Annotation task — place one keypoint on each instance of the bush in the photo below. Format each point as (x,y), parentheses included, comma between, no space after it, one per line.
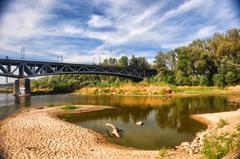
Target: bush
(163,152)
(182,80)
(230,78)
(218,80)
(203,80)
(194,80)
(70,107)
(218,147)
(221,123)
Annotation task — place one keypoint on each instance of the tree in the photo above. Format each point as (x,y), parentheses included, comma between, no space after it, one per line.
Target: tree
(105,62)
(230,78)
(112,61)
(138,62)
(218,80)
(123,61)
(163,66)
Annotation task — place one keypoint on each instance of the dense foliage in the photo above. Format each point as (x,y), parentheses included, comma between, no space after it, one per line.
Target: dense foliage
(133,62)
(214,61)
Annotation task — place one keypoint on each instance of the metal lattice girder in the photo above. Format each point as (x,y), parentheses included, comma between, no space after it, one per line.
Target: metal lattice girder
(21,69)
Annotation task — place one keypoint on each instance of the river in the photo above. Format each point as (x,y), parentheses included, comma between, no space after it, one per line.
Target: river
(166,120)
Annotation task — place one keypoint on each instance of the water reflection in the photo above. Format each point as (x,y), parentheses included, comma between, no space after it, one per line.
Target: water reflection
(23,101)
(167,121)
(10,103)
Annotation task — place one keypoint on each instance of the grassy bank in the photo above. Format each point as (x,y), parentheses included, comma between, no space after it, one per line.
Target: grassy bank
(143,88)
(204,90)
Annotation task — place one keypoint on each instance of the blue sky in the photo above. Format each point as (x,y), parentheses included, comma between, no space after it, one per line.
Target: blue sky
(83,29)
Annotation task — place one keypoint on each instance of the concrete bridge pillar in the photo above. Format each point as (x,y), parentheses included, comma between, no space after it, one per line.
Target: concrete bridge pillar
(22,87)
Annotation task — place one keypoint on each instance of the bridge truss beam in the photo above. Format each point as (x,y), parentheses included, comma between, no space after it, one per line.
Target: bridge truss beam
(26,69)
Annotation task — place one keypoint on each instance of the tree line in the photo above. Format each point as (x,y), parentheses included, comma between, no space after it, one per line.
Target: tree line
(211,62)
(214,61)
(133,62)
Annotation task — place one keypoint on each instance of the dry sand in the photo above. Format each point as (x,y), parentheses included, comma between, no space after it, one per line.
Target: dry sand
(211,119)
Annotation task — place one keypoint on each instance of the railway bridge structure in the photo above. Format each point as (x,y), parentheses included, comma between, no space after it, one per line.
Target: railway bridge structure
(22,70)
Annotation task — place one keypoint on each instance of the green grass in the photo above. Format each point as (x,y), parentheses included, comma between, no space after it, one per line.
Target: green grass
(221,123)
(218,147)
(163,152)
(70,107)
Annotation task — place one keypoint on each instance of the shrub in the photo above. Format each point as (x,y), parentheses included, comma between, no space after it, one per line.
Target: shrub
(218,80)
(163,152)
(221,123)
(194,80)
(203,80)
(230,78)
(70,107)
(218,147)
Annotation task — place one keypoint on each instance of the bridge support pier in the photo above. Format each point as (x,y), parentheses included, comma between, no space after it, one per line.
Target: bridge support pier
(22,87)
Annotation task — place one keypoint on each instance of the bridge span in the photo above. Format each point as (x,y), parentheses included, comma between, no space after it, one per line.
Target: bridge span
(23,69)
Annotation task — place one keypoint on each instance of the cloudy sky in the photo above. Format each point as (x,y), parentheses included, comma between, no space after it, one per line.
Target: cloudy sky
(83,29)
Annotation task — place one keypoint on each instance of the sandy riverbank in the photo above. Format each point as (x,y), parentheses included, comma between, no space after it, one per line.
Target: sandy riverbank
(38,133)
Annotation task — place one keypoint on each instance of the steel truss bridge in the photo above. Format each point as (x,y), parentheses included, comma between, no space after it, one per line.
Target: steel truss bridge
(25,69)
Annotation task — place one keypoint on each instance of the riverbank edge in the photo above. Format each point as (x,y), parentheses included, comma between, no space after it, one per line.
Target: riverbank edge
(167,91)
(152,90)
(181,91)
(180,152)
(213,120)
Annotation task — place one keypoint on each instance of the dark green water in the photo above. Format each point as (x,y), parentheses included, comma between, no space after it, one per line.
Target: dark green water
(166,121)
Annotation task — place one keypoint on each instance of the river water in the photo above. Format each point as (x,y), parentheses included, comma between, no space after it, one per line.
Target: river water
(166,120)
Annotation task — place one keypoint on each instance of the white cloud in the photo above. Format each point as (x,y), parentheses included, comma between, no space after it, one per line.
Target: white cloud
(183,8)
(146,26)
(24,18)
(129,28)
(83,58)
(99,21)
